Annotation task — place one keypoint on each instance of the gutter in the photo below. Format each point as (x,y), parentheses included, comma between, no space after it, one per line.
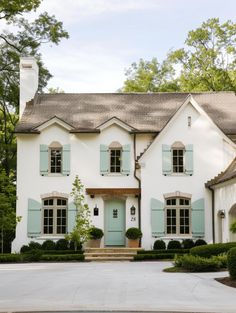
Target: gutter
(139,186)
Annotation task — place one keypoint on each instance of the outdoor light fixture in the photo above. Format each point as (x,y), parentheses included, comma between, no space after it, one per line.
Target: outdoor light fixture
(132,210)
(222,213)
(96,211)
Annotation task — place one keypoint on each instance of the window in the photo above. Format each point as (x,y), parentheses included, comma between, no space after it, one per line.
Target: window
(115,149)
(177,216)
(55,158)
(54,216)
(178,150)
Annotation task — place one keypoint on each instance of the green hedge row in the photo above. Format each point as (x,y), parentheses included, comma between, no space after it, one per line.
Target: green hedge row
(37,256)
(212,249)
(193,263)
(54,252)
(232,263)
(152,256)
(162,251)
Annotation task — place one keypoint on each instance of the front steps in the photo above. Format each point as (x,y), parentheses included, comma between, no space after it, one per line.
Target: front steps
(110,254)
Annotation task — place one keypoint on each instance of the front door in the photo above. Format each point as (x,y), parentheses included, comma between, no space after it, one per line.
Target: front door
(115,223)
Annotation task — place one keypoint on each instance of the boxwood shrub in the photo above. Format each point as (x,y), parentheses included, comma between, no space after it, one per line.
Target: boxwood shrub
(193,263)
(173,244)
(62,252)
(35,245)
(212,249)
(24,249)
(231,260)
(159,245)
(200,242)
(187,243)
(62,257)
(153,256)
(179,251)
(8,258)
(48,245)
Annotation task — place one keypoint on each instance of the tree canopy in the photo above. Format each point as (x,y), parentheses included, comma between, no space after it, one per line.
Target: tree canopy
(207,62)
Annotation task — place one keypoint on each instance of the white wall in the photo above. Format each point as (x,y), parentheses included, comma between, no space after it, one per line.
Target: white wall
(225,199)
(85,162)
(211,155)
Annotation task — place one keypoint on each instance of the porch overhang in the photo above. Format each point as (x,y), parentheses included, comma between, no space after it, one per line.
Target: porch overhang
(113,191)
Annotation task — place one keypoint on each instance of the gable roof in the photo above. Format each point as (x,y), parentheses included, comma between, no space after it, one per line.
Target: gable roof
(144,112)
(224,176)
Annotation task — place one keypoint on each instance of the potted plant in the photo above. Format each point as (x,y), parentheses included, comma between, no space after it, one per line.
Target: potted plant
(133,234)
(96,235)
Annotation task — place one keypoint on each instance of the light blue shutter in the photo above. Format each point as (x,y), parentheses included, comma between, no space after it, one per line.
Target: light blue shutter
(166,160)
(157,218)
(71,217)
(189,159)
(34,218)
(125,160)
(66,160)
(104,159)
(198,218)
(44,160)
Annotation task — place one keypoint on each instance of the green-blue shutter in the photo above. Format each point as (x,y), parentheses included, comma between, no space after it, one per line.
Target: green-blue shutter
(157,218)
(71,217)
(66,160)
(198,218)
(166,160)
(189,159)
(44,160)
(125,160)
(104,159)
(34,218)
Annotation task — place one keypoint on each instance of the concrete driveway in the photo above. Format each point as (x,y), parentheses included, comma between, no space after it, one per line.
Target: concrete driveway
(111,286)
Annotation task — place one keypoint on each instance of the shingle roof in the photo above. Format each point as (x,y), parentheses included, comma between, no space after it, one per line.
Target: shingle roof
(143,111)
(224,176)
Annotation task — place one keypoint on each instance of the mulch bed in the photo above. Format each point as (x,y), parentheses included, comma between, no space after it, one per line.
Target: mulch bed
(227,281)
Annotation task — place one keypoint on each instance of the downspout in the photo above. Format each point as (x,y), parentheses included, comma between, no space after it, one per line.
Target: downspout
(213,211)
(139,185)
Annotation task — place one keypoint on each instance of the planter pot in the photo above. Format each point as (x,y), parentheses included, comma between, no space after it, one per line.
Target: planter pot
(133,243)
(94,243)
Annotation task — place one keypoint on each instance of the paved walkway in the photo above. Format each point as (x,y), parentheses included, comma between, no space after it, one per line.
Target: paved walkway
(111,286)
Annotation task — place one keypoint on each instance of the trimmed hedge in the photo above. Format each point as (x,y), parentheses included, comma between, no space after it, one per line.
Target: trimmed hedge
(146,257)
(48,245)
(8,258)
(62,244)
(193,263)
(174,244)
(212,249)
(56,252)
(179,251)
(159,245)
(232,263)
(62,257)
(187,243)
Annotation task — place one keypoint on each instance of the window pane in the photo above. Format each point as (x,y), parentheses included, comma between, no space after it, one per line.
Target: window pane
(50,202)
(115,161)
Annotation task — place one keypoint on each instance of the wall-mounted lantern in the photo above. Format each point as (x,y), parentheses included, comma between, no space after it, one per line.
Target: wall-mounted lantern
(96,211)
(221,213)
(132,210)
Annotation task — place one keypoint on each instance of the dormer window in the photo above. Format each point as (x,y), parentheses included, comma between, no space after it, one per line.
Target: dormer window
(115,149)
(55,157)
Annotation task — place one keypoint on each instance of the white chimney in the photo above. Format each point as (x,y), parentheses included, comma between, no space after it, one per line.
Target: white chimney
(29,73)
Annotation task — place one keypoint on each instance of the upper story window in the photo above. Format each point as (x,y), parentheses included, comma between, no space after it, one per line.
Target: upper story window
(178,216)
(55,155)
(178,150)
(54,216)
(177,159)
(115,150)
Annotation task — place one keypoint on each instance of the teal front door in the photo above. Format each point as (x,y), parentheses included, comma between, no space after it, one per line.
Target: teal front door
(115,223)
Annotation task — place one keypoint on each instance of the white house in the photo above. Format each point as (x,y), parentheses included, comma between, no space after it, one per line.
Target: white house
(144,160)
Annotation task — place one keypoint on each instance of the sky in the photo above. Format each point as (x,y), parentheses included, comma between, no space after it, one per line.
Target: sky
(107,36)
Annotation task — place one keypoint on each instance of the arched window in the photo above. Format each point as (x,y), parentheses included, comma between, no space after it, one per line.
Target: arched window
(177,212)
(55,157)
(54,216)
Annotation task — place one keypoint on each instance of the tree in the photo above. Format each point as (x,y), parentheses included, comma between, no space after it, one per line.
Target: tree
(150,76)
(81,232)
(8,217)
(208,62)
(233,227)
(26,40)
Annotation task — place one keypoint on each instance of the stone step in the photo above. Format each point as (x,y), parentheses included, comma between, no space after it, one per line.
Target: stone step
(108,258)
(112,250)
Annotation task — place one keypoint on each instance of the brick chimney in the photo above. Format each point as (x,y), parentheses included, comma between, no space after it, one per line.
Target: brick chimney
(28,81)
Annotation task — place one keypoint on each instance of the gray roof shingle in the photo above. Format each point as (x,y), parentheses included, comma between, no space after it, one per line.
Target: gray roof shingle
(224,176)
(142,111)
